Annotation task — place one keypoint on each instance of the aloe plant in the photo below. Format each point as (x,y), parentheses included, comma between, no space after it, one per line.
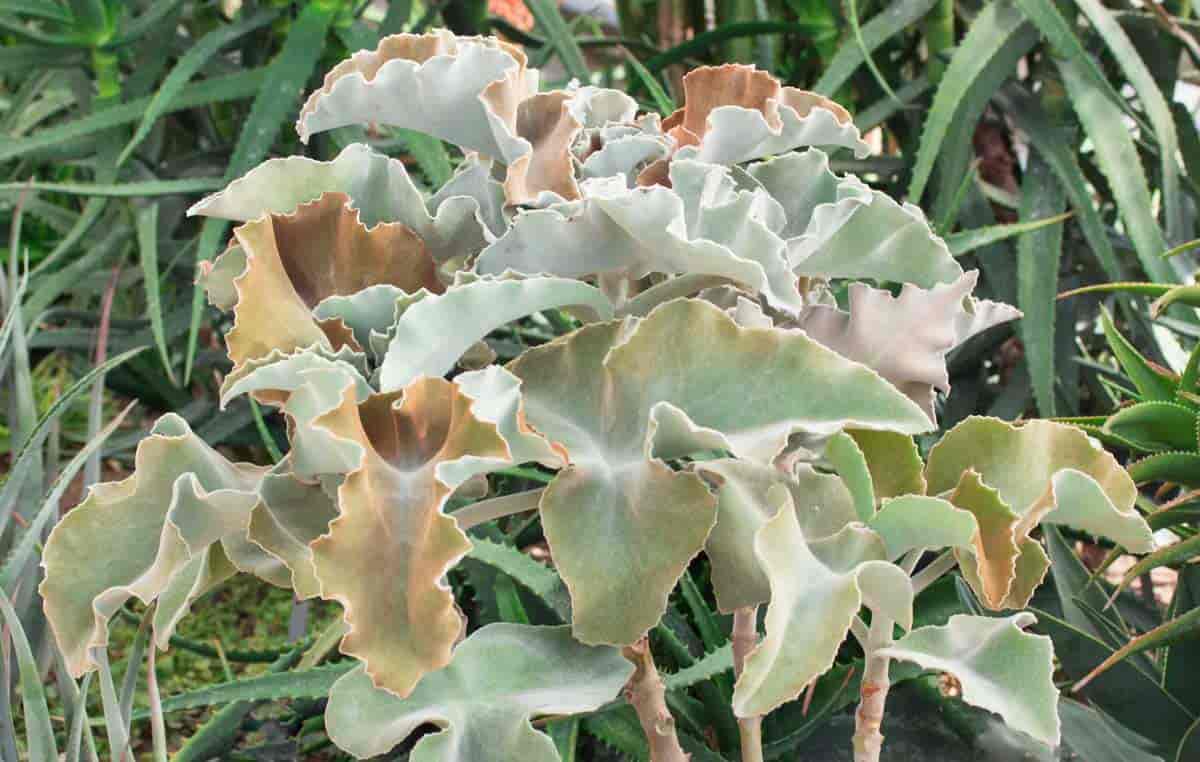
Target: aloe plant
(708,394)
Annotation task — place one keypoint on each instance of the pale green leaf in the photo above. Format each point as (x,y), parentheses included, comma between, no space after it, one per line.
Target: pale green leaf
(433,331)
(813,601)
(601,392)
(501,677)
(1000,668)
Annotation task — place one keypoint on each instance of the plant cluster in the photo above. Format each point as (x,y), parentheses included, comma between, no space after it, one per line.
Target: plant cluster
(749,343)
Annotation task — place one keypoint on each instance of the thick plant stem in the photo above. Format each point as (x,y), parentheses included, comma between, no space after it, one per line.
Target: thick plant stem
(868,720)
(648,696)
(745,638)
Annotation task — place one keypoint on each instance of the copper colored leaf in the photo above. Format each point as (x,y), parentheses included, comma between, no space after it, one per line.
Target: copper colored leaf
(293,262)
(386,555)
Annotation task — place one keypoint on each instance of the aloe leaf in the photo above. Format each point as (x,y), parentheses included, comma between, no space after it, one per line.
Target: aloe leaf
(31,449)
(39,733)
(278,94)
(23,550)
(886,24)
(1063,37)
(1179,552)
(1118,159)
(190,63)
(987,34)
(1183,627)
(501,677)
(1189,295)
(703,42)
(1174,467)
(147,233)
(1038,256)
(122,190)
(313,683)
(539,579)
(1150,383)
(1052,146)
(662,101)
(1134,697)
(216,89)
(549,19)
(966,241)
(1155,105)
(1155,426)
(1097,737)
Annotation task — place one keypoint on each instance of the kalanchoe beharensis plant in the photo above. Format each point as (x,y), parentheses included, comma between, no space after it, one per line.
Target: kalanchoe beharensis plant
(715,399)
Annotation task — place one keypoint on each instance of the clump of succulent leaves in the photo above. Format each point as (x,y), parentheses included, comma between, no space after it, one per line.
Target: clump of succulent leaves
(715,398)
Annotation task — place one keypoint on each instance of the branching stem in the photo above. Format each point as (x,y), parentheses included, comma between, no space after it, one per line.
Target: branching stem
(745,638)
(647,694)
(868,720)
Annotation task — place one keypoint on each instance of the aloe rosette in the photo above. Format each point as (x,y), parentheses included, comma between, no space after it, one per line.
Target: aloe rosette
(701,254)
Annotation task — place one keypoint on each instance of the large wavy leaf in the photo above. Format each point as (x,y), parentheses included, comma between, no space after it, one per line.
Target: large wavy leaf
(817,588)
(457,222)
(620,396)
(736,113)
(168,533)
(703,224)
(282,266)
(432,331)
(1000,667)
(905,338)
(502,676)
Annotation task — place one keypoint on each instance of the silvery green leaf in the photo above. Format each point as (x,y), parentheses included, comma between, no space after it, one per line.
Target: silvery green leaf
(702,225)
(596,392)
(501,677)
(169,532)
(817,588)
(1000,667)
(432,332)
(464,90)
(823,507)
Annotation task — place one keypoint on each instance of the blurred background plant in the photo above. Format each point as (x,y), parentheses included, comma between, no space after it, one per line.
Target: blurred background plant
(1070,122)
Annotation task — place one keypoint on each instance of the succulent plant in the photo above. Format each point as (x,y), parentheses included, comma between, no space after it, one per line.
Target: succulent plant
(714,397)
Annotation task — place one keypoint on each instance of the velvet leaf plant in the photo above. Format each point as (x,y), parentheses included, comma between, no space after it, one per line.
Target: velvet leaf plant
(714,396)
